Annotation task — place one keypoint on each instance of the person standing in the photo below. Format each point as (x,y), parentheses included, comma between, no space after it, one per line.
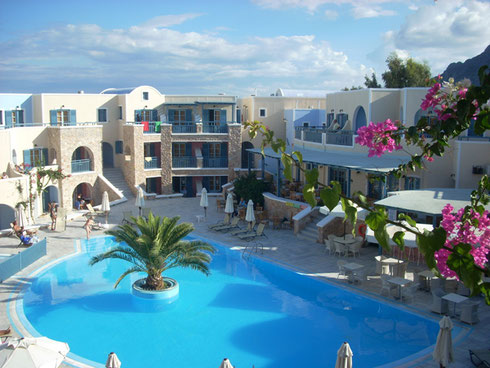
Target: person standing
(88,226)
(52,207)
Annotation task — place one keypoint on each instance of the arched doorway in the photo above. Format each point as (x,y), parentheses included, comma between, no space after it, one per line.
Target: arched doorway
(107,155)
(359,118)
(50,195)
(82,160)
(85,190)
(246,156)
(7,215)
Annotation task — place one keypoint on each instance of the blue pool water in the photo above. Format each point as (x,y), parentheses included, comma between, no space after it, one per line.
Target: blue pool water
(251,311)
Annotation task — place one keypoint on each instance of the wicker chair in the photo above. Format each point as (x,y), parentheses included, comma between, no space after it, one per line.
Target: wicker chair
(439,305)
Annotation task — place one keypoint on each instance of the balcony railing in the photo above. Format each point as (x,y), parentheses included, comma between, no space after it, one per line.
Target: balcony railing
(211,128)
(152,162)
(297,133)
(152,127)
(80,165)
(340,138)
(185,161)
(215,162)
(313,135)
(184,128)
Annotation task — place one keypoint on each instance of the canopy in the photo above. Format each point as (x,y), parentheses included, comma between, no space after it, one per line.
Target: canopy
(229,204)
(140,198)
(250,216)
(204,198)
(39,352)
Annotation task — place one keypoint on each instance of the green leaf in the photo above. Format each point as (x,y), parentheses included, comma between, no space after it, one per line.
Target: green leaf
(429,243)
(309,194)
(299,156)
(398,238)
(408,219)
(382,236)
(461,261)
(330,197)
(287,163)
(375,220)
(312,176)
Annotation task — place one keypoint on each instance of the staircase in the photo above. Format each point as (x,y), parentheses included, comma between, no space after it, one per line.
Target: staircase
(116,177)
(310,232)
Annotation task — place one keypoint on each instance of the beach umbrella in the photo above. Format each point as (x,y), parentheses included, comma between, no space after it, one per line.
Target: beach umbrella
(33,352)
(140,199)
(21,216)
(229,204)
(106,206)
(113,361)
(344,356)
(204,200)
(249,215)
(225,363)
(443,352)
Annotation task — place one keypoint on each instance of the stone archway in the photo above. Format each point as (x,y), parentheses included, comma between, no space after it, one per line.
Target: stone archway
(85,190)
(51,194)
(82,160)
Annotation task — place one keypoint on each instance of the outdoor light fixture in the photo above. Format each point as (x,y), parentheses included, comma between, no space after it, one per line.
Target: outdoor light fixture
(341,110)
(332,110)
(62,107)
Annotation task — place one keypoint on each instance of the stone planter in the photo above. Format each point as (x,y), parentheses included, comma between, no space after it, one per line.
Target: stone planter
(166,296)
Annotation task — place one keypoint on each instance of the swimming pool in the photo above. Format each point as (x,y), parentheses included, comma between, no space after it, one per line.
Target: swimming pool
(251,311)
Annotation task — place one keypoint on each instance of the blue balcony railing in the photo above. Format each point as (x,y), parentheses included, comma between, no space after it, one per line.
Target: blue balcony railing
(185,161)
(215,162)
(313,135)
(80,165)
(297,133)
(152,128)
(340,138)
(211,128)
(184,128)
(152,162)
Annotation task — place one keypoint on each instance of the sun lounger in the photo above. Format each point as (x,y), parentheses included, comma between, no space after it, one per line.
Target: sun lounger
(94,212)
(248,229)
(225,221)
(480,358)
(233,225)
(259,232)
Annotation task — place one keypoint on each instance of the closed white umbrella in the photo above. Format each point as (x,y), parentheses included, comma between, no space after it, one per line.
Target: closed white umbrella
(204,200)
(106,206)
(140,199)
(225,364)
(113,361)
(443,352)
(38,352)
(344,356)
(21,216)
(249,215)
(229,204)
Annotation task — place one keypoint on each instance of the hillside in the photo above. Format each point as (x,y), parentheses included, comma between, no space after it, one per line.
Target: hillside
(468,69)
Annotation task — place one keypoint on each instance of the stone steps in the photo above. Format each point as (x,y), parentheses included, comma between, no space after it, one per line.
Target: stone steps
(116,177)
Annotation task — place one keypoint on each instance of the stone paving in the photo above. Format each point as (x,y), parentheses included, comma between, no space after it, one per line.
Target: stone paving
(280,246)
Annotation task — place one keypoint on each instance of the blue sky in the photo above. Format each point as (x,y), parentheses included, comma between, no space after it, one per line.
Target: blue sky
(234,47)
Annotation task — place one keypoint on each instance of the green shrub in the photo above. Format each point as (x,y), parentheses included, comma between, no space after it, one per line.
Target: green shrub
(249,187)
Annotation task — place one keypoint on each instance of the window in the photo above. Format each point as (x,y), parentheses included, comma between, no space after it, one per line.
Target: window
(120,112)
(62,117)
(179,150)
(262,113)
(214,183)
(146,96)
(214,149)
(119,146)
(102,115)
(238,115)
(412,183)
(342,119)
(35,156)
(338,175)
(393,183)
(179,115)
(330,118)
(145,115)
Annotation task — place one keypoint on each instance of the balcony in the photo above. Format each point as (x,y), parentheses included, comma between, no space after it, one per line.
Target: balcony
(297,132)
(340,138)
(151,127)
(334,137)
(152,162)
(215,162)
(78,166)
(313,135)
(185,161)
(187,127)
(211,128)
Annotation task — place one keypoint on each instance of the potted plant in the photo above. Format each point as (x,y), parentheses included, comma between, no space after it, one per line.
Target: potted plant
(153,246)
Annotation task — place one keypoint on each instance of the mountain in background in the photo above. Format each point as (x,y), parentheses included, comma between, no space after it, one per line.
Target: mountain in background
(468,69)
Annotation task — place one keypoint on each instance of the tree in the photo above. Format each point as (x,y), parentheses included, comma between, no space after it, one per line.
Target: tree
(460,246)
(371,82)
(155,246)
(353,88)
(402,74)
(249,187)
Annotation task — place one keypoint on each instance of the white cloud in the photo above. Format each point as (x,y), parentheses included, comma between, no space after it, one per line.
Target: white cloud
(369,11)
(189,61)
(163,21)
(331,14)
(443,32)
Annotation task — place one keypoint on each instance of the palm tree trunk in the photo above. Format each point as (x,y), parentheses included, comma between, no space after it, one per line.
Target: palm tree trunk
(155,282)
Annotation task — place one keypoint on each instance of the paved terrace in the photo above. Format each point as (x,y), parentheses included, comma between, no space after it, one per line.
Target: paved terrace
(280,246)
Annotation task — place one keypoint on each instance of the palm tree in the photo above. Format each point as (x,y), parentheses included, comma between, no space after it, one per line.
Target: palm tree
(155,246)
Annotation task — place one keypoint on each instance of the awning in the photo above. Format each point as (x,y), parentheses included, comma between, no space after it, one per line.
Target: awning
(348,160)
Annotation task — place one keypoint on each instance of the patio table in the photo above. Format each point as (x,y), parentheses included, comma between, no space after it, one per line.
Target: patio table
(400,282)
(425,277)
(455,299)
(391,262)
(352,267)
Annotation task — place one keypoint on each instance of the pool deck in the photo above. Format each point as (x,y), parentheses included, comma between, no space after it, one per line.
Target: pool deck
(280,246)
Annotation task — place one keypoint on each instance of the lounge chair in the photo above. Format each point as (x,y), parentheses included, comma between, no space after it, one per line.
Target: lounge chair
(232,225)
(480,358)
(26,239)
(225,221)
(253,235)
(248,229)
(93,212)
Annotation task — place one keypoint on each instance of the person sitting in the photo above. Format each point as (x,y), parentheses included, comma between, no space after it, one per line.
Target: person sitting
(242,203)
(27,240)
(7,331)
(19,230)
(5,176)
(335,125)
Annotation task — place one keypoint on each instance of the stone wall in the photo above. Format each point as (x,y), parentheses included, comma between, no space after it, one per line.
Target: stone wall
(102,186)
(277,207)
(166,158)
(133,168)
(234,149)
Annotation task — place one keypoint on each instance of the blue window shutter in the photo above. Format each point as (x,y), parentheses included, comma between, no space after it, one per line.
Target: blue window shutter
(205,182)
(188,115)
(27,157)
(188,149)
(52,117)
(224,149)
(205,149)
(19,117)
(171,115)
(188,186)
(73,117)
(154,115)
(119,147)
(44,158)
(223,116)
(8,119)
